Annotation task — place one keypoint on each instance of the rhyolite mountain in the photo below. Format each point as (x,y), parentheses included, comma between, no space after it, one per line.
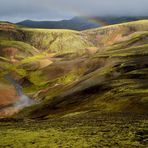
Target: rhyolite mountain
(69,71)
(80,23)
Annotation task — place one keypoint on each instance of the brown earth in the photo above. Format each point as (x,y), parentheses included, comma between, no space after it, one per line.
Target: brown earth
(8,95)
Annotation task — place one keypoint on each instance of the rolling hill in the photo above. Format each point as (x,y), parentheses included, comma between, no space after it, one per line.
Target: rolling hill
(103,68)
(113,79)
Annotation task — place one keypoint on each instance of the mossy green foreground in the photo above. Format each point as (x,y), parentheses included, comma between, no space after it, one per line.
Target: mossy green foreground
(91,87)
(81,130)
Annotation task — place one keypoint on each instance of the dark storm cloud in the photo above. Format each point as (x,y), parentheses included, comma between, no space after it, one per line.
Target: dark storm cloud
(60,9)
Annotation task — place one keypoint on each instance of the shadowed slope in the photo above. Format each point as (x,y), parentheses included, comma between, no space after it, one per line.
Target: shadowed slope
(116,80)
(99,69)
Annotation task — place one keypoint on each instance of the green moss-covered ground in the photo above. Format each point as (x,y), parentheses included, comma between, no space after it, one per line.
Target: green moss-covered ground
(82,129)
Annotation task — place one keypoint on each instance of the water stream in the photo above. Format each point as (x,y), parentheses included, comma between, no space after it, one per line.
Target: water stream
(24,100)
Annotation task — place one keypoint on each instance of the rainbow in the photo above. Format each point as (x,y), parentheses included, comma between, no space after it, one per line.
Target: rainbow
(97,20)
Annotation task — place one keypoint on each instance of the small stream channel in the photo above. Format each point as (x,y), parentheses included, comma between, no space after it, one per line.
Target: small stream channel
(24,100)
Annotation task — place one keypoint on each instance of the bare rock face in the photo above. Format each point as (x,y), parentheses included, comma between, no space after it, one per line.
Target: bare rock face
(8,95)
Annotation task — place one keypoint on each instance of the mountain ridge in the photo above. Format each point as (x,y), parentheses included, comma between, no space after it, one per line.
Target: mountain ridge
(79,23)
(74,71)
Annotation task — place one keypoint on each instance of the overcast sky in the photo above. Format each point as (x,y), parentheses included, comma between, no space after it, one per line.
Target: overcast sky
(17,10)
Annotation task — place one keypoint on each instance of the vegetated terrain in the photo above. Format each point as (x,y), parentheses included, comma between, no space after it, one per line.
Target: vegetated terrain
(87,129)
(91,86)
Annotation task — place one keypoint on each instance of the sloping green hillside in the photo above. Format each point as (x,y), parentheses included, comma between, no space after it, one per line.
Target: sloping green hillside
(25,51)
(58,41)
(99,69)
(108,35)
(113,79)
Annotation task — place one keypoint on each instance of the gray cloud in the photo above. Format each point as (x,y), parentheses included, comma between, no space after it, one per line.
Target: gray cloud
(15,10)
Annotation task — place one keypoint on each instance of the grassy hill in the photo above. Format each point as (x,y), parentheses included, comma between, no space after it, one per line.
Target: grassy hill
(113,79)
(62,41)
(25,47)
(103,68)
